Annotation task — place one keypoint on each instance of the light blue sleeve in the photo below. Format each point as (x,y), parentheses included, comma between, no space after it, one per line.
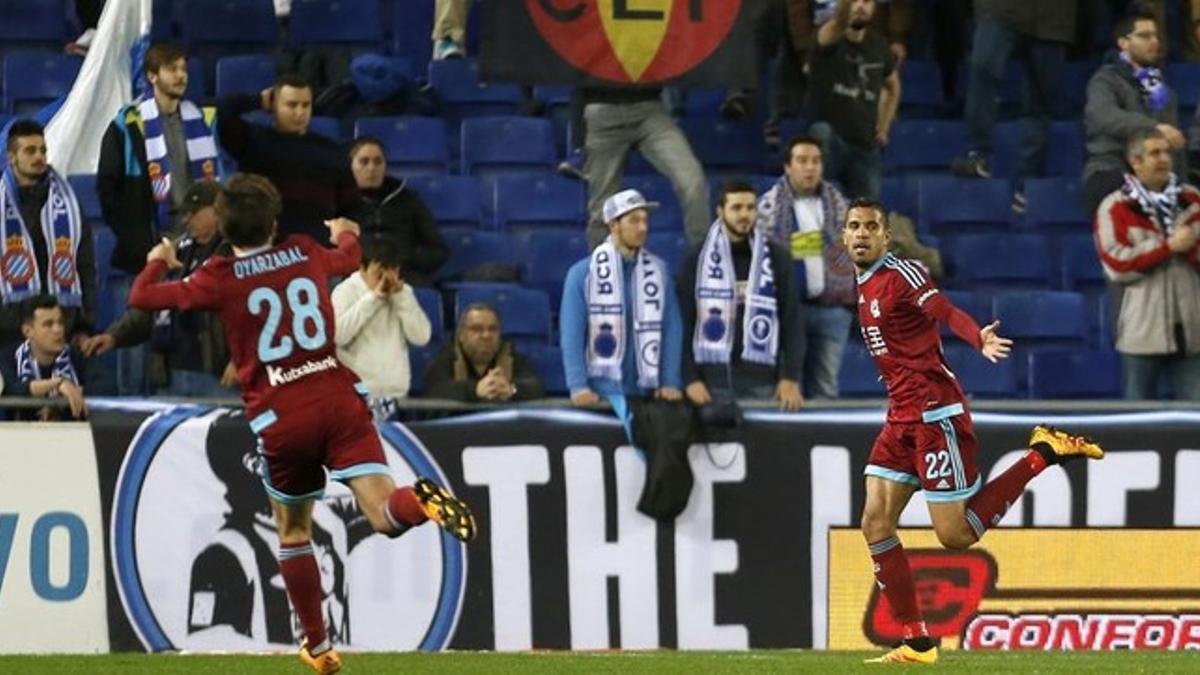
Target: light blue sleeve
(672,336)
(572,327)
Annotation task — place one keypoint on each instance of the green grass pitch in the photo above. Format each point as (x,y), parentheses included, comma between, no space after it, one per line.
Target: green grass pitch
(622,663)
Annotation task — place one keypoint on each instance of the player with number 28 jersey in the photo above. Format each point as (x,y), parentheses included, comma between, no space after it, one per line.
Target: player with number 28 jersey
(307,409)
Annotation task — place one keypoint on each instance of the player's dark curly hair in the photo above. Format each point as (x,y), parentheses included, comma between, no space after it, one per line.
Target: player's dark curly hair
(248,208)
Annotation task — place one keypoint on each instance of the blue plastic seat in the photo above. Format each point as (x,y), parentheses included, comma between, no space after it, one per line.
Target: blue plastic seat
(84,185)
(335,21)
(991,261)
(1184,78)
(32,80)
(524,312)
(538,201)
(858,377)
(670,246)
(198,90)
(461,95)
(921,84)
(33,21)
(979,377)
(472,248)
(1043,316)
(413,145)
(498,145)
(431,303)
(977,304)
(550,254)
(668,217)
(1081,268)
(924,145)
(963,205)
(724,146)
(548,361)
(1070,373)
(1065,149)
(411,25)
(454,201)
(418,361)
(247,74)
(1055,205)
(229,22)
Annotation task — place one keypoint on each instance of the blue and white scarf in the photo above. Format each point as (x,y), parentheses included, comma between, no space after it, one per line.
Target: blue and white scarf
(1162,207)
(62,228)
(29,370)
(716,302)
(777,219)
(606,314)
(1155,92)
(201,150)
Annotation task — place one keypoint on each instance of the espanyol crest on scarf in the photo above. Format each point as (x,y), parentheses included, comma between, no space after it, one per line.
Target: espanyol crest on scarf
(716,302)
(606,314)
(201,150)
(61,228)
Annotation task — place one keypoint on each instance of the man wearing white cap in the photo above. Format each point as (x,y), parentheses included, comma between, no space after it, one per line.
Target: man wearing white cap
(621,331)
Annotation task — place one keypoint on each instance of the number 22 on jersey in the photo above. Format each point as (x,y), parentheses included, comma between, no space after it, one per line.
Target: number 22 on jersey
(304,302)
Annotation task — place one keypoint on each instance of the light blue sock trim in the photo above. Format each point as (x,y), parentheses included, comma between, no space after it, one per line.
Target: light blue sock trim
(357,470)
(284,498)
(881,547)
(289,552)
(891,474)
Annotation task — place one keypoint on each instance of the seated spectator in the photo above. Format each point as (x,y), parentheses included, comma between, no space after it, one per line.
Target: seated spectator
(47,243)
(188,353)
(1124,97)
(308,170)
(393,211)
(1146,234)
(854,92)
(378,317)
(480,365)
(805,212)
(44,365)
(743,326)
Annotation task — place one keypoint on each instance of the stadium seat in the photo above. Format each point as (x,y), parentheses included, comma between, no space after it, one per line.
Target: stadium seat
(524,312)
(539,201)
(998,261)
(84,185)
(229,22)
(414,145)
(1055,205)
(418,360)
(548,361)
(670,246)
(657,188)
(471,249)
(979,377)
(978,305)
(1184,78)
(33,23)
(411,25)
(32,80)
(335,21)
(921,85)
(1070,373)
(461,95)
(198,90)
(1065,149)
(1011,86)
(726,147)
(248,74)
(1081,269)
(949,206)
(550,254)
(431,303)
(453,200)
(498,145)
(1043,316)
(858,376)
(924,145)
(1072,86)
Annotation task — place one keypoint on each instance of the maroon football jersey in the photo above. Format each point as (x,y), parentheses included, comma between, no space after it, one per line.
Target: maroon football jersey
(898,306)
(275,307)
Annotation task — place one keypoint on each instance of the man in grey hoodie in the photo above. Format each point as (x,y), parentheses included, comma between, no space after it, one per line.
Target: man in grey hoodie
(1124,97)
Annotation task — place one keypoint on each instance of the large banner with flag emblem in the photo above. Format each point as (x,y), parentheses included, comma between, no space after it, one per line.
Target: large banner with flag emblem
(620,42)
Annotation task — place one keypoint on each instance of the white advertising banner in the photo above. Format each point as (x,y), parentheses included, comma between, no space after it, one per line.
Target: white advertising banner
(52,591)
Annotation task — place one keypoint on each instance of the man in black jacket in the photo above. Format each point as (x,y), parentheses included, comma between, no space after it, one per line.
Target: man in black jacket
(307,169)
(393,211)
(480,365)
(743,331)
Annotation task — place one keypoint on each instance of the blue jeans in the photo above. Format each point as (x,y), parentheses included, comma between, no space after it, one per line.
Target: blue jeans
(826,330)
(1142,373)
(859,169)
(131,361)
(995,42)
(193,384)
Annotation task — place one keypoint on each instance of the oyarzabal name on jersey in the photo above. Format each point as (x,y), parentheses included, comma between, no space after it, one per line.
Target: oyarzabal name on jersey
(268,262)
(277,376)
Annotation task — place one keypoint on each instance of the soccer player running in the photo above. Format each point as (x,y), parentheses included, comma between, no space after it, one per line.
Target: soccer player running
(928,442)
(307,409)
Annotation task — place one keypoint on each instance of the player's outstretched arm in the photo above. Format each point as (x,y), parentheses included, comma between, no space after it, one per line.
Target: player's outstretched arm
(150,293)
(993,346)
